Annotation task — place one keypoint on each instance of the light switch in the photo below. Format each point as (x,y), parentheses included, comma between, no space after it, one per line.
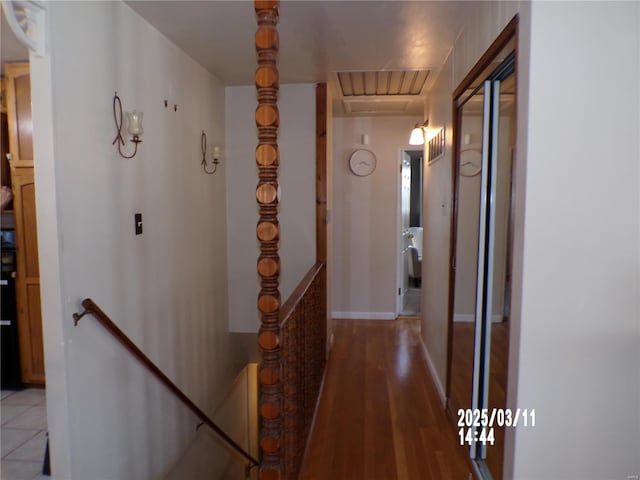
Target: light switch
(138,220)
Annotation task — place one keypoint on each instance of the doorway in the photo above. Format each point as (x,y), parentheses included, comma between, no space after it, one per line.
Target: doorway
(19,228)
(410,233)
(23,367)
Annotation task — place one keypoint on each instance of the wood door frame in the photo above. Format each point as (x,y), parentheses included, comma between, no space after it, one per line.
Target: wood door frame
(321,173)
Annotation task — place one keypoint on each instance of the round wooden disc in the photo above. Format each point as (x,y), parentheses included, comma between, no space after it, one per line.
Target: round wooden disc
(267,37)
(270,444)
(267,231)
(266,115)
(266,155)
(266,193)
(268,304)
(268,340)
(267,267)
(266,77)
(268,376)
(266,4)
(270,475)
(269,411)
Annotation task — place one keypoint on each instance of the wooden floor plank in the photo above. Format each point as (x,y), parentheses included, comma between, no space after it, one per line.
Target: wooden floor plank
(379,415)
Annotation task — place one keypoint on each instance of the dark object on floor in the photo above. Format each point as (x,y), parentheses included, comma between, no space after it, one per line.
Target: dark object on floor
(46,468)
(415,267)
(11,377)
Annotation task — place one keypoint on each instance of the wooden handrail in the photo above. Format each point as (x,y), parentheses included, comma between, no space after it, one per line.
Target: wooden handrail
(297,295)
(90,307)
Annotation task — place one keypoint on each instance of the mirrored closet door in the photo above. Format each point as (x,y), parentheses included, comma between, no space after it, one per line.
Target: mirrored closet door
(481,255)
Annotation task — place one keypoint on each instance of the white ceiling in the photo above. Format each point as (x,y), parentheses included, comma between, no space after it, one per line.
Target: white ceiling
(317,38)
(11,50)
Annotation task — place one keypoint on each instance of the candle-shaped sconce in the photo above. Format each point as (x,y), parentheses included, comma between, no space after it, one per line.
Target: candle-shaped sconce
(135,123)
(134,120)
(216,153)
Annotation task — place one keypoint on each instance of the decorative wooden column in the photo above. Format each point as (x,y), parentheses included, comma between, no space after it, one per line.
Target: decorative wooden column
(267,121)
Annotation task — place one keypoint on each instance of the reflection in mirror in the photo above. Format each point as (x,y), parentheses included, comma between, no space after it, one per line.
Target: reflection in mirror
(468,216)
(501,271)
(481,251)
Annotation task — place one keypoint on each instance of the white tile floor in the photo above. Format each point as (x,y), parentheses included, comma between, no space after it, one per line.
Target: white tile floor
(23,415)
(412,302)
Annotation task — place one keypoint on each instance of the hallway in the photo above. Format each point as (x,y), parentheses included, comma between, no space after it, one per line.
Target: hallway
(380,416)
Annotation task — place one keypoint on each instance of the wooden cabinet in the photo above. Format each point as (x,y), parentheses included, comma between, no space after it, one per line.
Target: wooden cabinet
(28,278)
(18,89)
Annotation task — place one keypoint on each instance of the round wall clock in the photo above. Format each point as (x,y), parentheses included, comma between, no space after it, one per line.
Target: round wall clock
(470,161)
(362,162)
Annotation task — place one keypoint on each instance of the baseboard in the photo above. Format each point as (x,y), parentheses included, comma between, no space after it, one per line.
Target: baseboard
(470,318)
(364,315)
(434,373)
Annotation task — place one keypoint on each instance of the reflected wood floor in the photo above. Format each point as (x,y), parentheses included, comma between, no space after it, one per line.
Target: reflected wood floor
(380,417)
(461,384)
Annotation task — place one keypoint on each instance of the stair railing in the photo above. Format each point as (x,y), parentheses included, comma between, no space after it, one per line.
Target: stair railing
(303,329)
(104,320)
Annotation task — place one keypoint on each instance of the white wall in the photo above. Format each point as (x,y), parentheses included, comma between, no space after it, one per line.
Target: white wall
(579,348)
(237,416)
(166,289)
(436,214)
(575,329)
(297,146)
(365,217)
(464,306)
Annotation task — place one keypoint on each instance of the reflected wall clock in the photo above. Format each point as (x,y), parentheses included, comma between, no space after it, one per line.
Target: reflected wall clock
(362,162)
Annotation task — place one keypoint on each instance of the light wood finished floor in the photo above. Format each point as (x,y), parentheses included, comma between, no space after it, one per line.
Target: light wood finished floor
(380,417)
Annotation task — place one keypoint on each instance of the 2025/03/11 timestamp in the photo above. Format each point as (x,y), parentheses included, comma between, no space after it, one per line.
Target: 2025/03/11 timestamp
(470,435)
(477,425)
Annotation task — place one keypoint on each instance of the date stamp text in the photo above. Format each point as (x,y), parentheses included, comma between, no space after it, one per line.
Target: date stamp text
(478,425)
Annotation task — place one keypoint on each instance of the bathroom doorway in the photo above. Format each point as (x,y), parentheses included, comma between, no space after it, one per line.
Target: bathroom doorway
(410,233)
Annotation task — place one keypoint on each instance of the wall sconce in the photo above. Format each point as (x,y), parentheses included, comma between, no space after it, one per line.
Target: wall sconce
(418,133)
(215,155)
(134,121)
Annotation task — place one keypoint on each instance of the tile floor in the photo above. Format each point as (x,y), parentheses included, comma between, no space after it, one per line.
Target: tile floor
(412,302)
(23,434)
